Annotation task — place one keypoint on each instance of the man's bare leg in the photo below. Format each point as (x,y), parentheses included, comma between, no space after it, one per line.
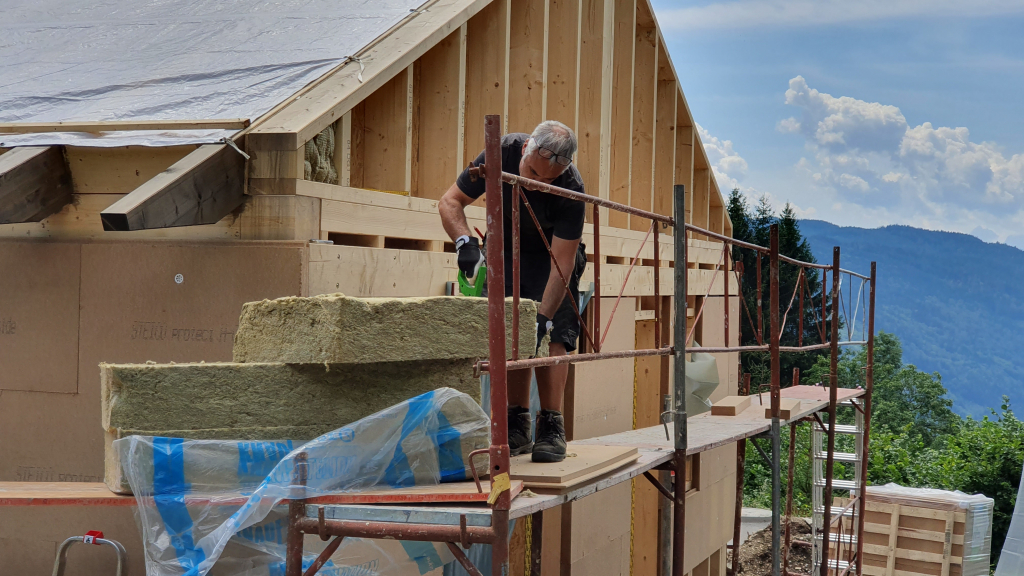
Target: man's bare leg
(551,380)
(519,387)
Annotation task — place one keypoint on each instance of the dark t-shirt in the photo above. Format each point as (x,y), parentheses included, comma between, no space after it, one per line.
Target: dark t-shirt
(558,216)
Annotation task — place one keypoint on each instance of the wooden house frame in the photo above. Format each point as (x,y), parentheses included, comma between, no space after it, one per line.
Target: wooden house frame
(391,128)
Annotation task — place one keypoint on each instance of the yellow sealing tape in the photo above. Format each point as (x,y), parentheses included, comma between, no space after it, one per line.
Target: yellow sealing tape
(499,484)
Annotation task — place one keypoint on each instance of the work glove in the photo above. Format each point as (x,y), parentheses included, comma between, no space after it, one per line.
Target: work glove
(470,256)
(544,326)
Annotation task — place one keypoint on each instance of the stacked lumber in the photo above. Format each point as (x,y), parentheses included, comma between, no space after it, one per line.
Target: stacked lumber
(305,366)
(910,531)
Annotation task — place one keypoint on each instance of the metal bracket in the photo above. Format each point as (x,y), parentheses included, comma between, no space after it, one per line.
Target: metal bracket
(764,455)
(661,487)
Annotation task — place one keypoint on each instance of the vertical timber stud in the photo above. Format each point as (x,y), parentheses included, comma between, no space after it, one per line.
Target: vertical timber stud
(499,460)
(773,348)
(679,384)
(833,385)
(869,384)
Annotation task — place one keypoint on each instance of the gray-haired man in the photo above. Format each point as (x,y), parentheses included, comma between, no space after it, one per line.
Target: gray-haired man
(545,156)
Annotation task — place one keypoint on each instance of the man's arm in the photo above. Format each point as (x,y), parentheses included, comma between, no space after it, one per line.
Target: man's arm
(564,252)
(452,208)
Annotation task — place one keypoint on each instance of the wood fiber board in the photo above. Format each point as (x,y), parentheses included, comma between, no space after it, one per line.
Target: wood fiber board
(147,315)
(787,407)
(50,437)
(29,536)
(600,534)
(603,392)
(730,406)
(582,460)
(39,286)
(131,310)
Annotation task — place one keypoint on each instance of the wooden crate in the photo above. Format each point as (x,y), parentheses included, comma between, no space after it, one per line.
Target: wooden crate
(904,537)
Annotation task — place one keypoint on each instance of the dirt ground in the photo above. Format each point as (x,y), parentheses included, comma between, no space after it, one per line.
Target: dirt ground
(756,552)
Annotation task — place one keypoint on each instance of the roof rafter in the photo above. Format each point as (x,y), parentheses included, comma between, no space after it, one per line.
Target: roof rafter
(201,188)
(34,183)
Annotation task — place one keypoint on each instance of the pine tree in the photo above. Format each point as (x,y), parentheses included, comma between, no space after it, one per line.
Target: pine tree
(755,227)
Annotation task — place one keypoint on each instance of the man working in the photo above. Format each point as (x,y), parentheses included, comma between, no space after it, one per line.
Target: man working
(545,156)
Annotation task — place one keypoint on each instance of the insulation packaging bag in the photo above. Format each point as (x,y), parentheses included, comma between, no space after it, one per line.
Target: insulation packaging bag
(215,506)
(978,509)
(1011,559)
(701,382)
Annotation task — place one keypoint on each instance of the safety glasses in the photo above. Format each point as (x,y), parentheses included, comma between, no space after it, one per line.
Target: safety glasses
(548,154)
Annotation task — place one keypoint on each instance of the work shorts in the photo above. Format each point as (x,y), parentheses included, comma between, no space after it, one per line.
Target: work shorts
(534,270)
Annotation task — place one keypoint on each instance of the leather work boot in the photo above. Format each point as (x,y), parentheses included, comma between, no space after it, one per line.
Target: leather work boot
(519,437)
(550,445)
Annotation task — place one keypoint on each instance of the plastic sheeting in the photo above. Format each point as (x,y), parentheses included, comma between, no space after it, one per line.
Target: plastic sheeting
(105,60)
(701,382)
(215,506)
(979,509)
(1011,559)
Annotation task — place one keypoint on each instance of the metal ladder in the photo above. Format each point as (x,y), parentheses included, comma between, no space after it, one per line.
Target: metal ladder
(842,534)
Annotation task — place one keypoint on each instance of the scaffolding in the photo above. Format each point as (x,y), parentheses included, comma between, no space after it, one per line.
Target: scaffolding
(459,528)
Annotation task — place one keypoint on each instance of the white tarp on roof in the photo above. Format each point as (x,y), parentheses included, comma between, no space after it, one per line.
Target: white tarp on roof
(102,60)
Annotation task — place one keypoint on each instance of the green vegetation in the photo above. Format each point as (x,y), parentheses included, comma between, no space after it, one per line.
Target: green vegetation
(917,439)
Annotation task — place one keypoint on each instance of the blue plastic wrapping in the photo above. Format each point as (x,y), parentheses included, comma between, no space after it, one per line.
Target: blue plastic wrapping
(217,506)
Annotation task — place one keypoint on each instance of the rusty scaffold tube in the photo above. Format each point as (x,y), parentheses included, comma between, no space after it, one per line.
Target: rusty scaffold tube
(832,395)
(869,384)
(499,450)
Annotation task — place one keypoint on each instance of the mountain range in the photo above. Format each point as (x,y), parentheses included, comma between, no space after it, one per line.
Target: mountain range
(954,301)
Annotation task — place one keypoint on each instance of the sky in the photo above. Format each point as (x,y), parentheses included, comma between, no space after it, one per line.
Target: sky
(864,113)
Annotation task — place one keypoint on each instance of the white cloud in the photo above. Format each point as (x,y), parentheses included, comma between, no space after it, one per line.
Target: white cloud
(801,13)
(729,167)
(867,158)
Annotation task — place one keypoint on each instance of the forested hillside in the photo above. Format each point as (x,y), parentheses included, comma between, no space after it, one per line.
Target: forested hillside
(956,303)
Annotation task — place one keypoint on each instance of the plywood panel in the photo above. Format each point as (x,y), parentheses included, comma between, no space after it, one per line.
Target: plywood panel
(526,65)
(485,72)
(385,133)
(645,95)
(39,286)
(622,109)
(562,61)
(438,111)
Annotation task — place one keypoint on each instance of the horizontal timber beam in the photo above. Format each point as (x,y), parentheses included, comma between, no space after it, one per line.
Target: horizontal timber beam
(122,125)
(201,188)
(34,183)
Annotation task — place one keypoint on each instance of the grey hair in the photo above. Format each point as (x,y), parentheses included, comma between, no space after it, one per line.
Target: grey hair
(554,136)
